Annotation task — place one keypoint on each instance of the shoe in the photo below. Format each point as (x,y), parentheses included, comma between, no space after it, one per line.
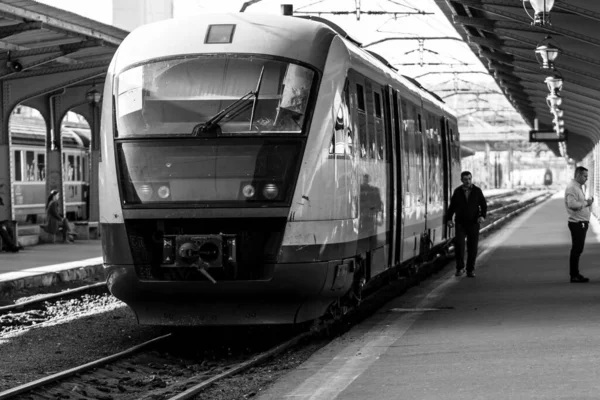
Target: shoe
(579,279)
(470,274)
(459,272)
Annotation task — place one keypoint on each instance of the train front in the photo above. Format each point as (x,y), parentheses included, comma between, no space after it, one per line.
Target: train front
(203,140)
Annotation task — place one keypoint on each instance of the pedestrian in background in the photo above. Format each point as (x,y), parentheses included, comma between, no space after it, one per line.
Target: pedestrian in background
(470,207)
(55,222)
(579,210)
(7,233)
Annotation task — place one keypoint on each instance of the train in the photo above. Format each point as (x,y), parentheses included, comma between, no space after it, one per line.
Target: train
(28,169)
(265,169)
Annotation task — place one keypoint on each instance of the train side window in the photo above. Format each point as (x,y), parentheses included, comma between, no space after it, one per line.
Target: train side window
(69,168)
(379,130)
(407,126)
(29,166)
(341,140)
(420,123)
(370,127)
(377,100)
(362,122)
(41,167)
(18,167)
(78,168)
(349,125)
(360,96)
(84,168)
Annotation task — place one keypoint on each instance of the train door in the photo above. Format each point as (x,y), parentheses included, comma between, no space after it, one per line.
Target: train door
(394,139)
(422,193)
(446,169)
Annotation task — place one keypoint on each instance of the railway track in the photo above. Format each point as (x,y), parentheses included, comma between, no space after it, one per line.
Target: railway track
(148,371)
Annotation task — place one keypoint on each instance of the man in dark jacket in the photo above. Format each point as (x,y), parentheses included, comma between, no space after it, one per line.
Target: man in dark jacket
(470,208)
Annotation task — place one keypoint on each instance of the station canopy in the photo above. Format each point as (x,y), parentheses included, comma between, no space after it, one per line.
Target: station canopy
(502,34)
(48,47)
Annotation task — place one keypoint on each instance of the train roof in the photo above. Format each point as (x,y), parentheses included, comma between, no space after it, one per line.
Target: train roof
(305,39)
(294,38)
(35,134)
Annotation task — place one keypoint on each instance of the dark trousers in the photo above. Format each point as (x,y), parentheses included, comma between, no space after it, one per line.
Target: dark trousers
(578,232)
(469,232)
(7,234)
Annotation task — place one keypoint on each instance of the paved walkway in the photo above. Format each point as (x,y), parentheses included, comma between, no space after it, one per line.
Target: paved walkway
(46,264)
(519,330)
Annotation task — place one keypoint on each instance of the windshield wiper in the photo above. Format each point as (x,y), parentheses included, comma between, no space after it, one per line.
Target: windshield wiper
(232,110)
(213,122)
(255,102)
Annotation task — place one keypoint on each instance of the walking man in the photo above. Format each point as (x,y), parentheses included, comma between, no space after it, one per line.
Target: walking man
(470,207)
(579,210)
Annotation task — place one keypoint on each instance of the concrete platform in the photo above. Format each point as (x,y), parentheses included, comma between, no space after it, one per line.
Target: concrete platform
(519,330)
(47,264)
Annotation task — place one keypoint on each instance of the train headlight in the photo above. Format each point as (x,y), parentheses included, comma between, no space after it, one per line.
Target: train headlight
(164,192)
(248,191)
(145,192)
(270,191)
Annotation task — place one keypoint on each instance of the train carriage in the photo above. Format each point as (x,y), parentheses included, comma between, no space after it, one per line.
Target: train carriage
(263,169)
(28,170)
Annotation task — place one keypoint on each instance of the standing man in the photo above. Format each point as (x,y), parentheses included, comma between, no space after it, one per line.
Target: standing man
(579,210)
(470,207)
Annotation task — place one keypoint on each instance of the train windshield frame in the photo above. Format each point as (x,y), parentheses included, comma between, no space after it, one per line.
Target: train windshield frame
(223,95)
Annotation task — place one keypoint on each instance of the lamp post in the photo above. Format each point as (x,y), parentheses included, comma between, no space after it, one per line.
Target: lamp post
(554,84)
(542,10)
(553,101)
(93,96)
(546,53)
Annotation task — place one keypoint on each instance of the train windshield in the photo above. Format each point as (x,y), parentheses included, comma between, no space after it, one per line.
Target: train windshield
(224,95)
(220,171)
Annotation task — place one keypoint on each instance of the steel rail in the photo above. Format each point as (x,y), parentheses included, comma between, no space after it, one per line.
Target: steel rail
(27,387)
(530,202)
(518,203)
(194,390)
(52,296)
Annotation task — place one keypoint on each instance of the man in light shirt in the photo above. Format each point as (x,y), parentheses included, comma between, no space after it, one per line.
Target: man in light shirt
(579,210)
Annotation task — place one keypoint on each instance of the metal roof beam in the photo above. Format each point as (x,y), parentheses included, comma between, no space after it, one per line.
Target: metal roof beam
(14,12)
(583,12)
(502,57)
(534,44)
(63,48)
(61,51)
(533,60)
(493,44)
(481,23)
(50,71)
(524,22)
(10,30)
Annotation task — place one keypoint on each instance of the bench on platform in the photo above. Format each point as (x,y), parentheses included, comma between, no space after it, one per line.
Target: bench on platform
(87,230)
